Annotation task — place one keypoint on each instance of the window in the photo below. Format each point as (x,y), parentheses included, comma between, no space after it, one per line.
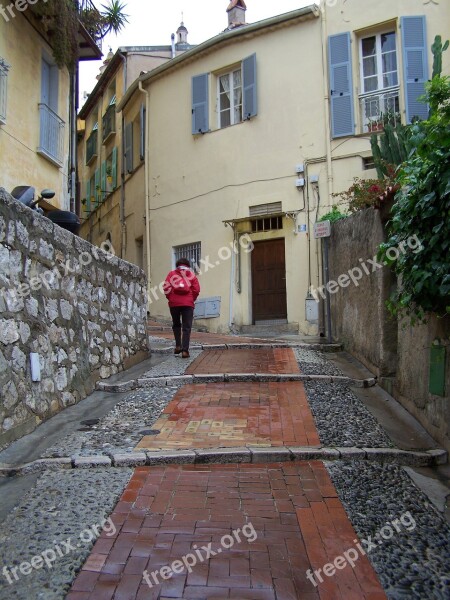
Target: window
(190,251)
(379,100)
(230,98)
(236,96)
(4,68)
(128,158)
(368,163)
(267,224)
(51,138)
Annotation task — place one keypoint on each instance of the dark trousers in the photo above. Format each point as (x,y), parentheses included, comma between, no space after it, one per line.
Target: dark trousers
(182,317)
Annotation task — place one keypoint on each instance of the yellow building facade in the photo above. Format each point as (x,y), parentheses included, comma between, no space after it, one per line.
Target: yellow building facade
(35,106)
(248,136)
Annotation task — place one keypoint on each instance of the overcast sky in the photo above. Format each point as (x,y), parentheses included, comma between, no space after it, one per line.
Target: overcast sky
(151,23)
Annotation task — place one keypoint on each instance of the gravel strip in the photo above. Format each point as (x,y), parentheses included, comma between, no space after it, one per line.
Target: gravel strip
(414,563)
(341,418)
(119,429)
(62,505)
(173,365)
(311,362)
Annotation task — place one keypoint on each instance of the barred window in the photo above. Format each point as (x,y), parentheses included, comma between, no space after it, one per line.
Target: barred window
(4,68)
(192,252)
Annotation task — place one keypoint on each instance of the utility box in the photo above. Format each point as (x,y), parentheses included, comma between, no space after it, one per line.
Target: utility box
(312,310)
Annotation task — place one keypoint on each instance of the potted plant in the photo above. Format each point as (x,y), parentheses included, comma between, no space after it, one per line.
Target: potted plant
(109,179)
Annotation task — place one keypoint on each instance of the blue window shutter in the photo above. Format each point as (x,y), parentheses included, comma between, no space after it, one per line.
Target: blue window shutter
(200,105)
(88,197)
(415,65)
(97,184)
(114,167)
(103,180)
(249,97)
(128,147)
(341,85)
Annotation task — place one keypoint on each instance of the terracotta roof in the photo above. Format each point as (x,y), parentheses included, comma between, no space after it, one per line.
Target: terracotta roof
(235,3)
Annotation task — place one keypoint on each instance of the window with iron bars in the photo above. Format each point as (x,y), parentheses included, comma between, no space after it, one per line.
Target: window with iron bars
(267,224)
(192,252)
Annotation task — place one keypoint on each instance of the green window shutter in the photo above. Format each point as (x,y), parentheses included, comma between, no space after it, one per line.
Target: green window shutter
(200,106)
(103,180)
(128,147)
(249,98)
(114,167)
(341,85)
(415,65)
(97,183)
(87,207)
(143,124)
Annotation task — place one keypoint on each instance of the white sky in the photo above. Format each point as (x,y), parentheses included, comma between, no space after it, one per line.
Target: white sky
(151,23)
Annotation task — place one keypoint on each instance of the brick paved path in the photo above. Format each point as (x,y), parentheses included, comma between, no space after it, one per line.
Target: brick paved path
(260,360)
(242,531)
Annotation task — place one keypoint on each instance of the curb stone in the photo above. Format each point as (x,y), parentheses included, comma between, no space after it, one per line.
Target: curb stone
(254,454)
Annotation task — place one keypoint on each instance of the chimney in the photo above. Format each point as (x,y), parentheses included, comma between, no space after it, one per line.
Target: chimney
(236,13)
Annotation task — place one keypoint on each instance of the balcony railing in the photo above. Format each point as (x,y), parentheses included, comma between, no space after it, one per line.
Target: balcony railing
(109,122)
(51,138)
(91,146)
(89,16)
(379,108)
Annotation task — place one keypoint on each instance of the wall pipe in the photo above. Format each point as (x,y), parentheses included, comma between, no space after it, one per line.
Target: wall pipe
(147,186)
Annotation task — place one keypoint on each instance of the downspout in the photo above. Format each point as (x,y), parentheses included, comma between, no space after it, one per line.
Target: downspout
(123,240)
(172,37)
(73,139)
(147,186)
(330,180)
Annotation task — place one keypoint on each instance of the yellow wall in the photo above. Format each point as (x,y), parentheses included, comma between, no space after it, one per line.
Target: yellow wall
(22,47)
(196,182)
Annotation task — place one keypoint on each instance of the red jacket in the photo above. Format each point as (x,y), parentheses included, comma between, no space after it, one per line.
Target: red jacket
(176,299)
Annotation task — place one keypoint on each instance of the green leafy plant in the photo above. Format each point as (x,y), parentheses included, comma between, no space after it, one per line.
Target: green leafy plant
(334,215)
(422,209)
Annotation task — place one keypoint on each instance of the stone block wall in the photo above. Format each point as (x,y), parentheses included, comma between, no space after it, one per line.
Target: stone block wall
(81,309)
(396,352)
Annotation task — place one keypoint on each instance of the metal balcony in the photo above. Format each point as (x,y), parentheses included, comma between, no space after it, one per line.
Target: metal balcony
(91,146)
(379,108)
(109,122)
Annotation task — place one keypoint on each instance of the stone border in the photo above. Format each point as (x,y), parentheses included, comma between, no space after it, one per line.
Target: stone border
(255,454)
(255,346)
(180,380)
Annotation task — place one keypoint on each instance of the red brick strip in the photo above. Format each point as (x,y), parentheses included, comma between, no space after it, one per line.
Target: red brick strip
(168,512)
(241,360)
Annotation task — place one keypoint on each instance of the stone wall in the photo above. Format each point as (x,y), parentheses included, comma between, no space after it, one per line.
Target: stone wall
(396,352)
(81,309)
(360,317)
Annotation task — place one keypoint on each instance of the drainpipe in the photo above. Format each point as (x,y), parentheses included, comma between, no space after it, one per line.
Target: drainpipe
(73,139)
(172,37)
(232,279)
(123,240)
(147,185)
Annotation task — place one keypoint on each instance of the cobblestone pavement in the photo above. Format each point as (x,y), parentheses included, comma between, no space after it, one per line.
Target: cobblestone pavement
(275,530)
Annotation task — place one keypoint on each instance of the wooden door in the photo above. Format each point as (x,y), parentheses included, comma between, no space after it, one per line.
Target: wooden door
(269,280)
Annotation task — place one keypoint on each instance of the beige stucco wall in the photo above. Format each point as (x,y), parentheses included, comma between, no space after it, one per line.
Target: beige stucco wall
(197,182)
(22,47)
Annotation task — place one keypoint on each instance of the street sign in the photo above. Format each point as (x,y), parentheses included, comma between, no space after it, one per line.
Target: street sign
(322,229)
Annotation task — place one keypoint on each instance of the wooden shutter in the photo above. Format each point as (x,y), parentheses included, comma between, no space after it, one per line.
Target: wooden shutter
(341,85)
(129,147)
(415,65)
(97,183)
(143,124)
(249,97)
(103,180)
(114,167)
(200,105)
(87,206)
